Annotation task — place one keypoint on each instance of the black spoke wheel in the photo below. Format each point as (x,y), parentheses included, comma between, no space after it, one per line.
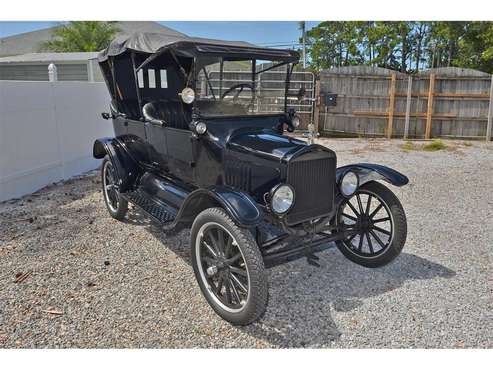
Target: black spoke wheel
(378,221)
(116,205)
(228,267)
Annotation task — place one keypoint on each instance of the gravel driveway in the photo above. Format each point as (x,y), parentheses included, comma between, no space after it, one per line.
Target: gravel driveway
(86,280)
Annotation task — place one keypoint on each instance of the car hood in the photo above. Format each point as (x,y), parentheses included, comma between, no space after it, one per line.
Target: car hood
(265,144)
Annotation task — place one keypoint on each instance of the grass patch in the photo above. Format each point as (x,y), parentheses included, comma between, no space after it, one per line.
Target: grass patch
(434,146)
(467,143)
(408,146)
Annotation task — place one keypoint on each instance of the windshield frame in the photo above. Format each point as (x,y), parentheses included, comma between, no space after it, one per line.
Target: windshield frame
(254,73)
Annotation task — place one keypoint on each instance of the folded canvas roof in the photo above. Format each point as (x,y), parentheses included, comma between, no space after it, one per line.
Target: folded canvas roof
(156,43)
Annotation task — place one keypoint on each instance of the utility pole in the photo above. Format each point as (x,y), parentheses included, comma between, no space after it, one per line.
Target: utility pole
(303,33)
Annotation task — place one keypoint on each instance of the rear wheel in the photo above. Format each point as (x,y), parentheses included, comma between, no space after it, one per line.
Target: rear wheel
(116,205)
(229,267)
(380,223)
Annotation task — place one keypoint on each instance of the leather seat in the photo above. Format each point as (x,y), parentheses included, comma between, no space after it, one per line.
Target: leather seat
(171,113)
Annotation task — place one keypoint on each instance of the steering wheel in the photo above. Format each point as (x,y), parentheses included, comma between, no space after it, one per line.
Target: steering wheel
(240,87)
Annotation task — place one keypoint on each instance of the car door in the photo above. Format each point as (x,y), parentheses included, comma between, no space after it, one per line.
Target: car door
(157,146)
(180,149)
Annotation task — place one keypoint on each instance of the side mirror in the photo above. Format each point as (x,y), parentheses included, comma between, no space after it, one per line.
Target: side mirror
(105,115)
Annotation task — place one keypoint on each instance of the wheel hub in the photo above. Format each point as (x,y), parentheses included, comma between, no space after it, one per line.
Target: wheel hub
(365,222)
(220,265)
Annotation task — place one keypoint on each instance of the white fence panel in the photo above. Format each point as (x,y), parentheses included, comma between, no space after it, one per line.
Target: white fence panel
(47,131)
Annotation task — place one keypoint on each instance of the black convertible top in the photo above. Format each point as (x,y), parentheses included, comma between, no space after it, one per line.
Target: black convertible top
(157,43)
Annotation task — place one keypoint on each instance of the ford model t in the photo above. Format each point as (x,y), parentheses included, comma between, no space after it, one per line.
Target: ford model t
(196,147)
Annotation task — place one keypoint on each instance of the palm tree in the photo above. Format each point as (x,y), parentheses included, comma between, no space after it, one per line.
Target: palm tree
(81,36)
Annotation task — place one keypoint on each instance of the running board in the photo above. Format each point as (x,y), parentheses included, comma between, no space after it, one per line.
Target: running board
(157,210)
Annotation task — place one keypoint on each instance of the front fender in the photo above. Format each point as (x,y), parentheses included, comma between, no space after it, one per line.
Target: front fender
(371,172)
(126,167)
(240,206)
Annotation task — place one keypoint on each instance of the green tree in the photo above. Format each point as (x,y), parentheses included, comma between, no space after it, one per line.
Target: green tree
(334,44)
(81,36)
(475,47)
(443,42)
(403,46)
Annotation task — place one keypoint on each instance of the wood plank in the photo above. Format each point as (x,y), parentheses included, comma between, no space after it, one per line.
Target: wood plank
(403,114)
(408,106)
(482,96)
(429,110)
(390,121)
(490,113)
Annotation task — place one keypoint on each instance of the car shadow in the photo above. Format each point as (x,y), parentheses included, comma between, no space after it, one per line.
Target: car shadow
(303,299)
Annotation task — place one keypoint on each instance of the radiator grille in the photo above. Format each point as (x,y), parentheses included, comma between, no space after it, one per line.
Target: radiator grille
(313,179)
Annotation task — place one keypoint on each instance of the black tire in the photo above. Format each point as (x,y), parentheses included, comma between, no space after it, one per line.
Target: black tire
(115,204)
(253,306)
(397,230)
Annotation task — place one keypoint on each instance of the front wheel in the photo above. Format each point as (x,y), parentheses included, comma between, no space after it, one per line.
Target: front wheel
(229,267)
(378,218)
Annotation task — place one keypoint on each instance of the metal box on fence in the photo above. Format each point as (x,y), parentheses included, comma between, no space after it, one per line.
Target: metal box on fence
(330,100)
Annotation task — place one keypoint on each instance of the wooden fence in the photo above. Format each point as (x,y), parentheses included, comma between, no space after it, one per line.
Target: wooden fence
(371,101)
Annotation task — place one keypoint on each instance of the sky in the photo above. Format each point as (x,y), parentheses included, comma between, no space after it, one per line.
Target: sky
(275,33)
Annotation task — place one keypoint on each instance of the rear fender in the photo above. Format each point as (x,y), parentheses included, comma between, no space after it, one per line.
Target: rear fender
(240,206)
(371,172)
(127,169)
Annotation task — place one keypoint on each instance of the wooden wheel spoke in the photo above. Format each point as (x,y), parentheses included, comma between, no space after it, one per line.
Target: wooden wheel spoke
(215,242)
(233,259)
(229,298)
(227,249)
(350,239)
(368,204)
(360,205)
(383,231)
(237,270)
(360,244)
(352,208)
(209,249)
(234,279)
(375,211)
(219,286)
(350,217)
(234,291)
(381,220)
(370,245)
(379,241)
(220,240)
(210,261)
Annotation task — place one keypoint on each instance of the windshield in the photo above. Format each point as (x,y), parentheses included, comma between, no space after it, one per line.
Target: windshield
(240,87)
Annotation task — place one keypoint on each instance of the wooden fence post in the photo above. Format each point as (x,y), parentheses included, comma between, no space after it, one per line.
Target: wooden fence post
(408,106)
(490,113)
(429,110)
(391,106)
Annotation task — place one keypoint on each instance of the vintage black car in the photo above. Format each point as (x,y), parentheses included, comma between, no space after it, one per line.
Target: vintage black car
(193,151)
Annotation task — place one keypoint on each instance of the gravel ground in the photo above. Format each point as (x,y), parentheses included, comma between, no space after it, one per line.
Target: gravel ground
(91,281)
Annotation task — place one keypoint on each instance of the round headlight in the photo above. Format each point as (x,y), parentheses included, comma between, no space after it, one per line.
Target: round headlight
(282,199)
(296,121)
(187,95)
(349,183)
(200,128)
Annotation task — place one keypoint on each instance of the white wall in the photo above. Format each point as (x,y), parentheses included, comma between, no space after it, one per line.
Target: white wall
(47,131)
